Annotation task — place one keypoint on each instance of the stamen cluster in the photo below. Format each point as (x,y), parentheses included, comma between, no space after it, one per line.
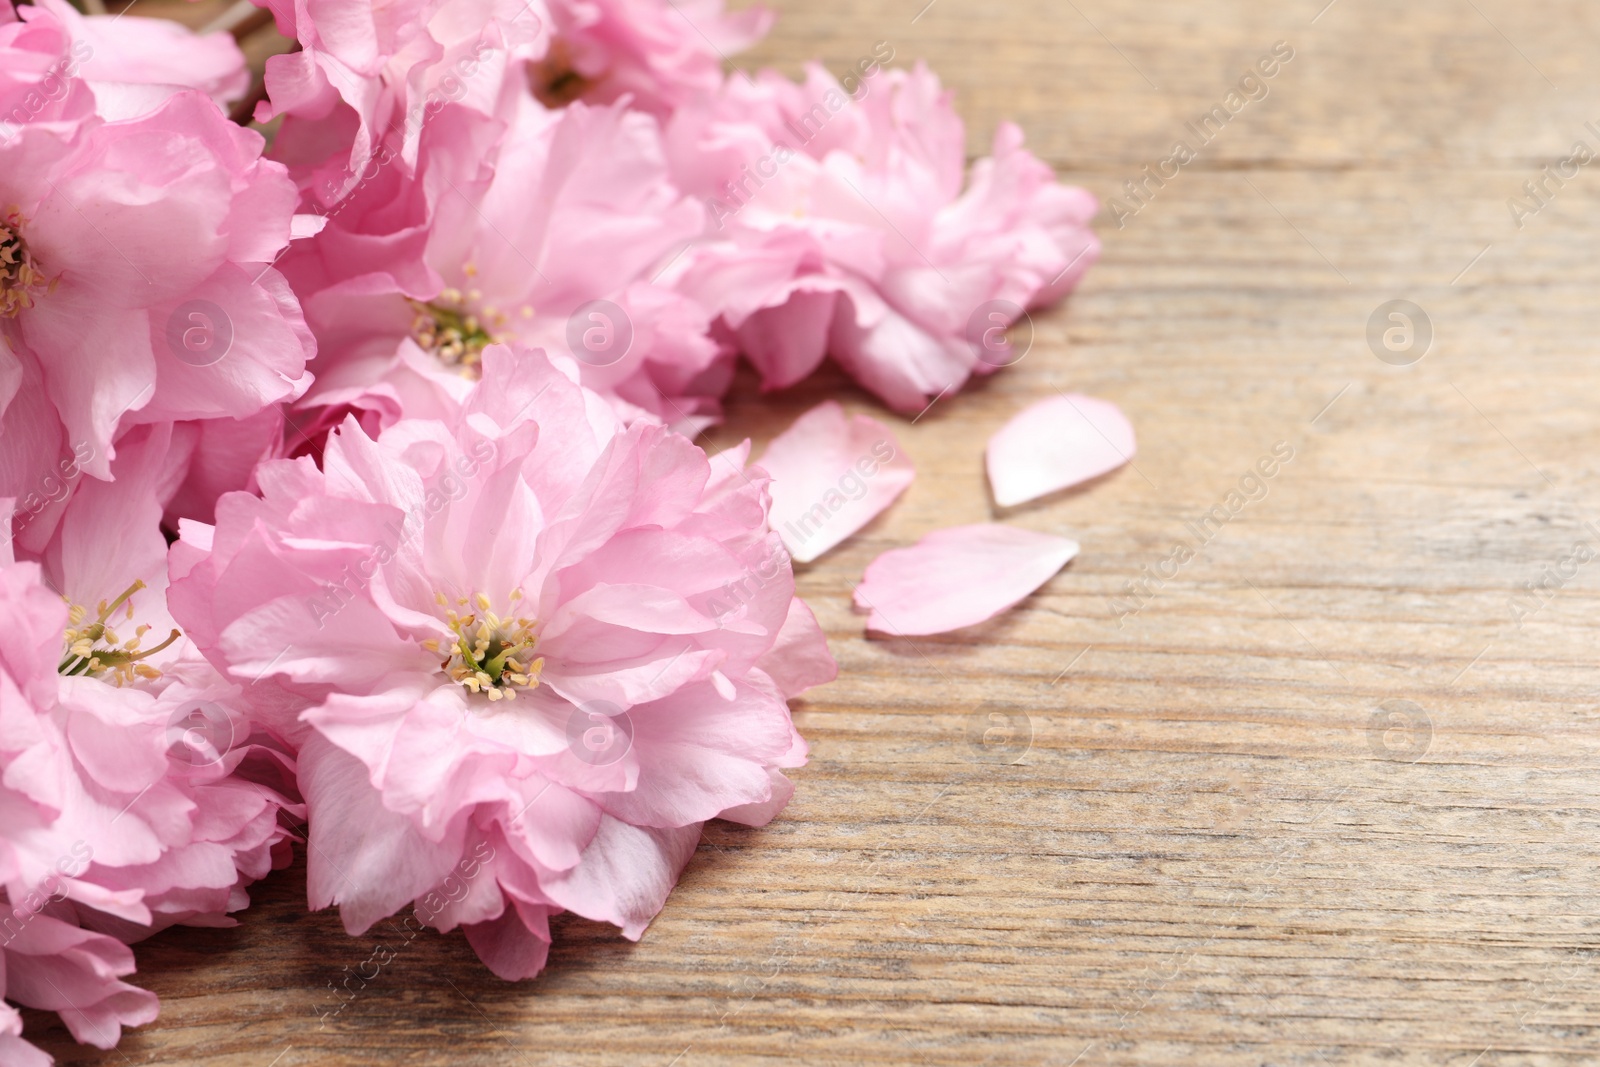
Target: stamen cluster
(555,79)
(456,335)
(95,649)
(20,276)
(490,655)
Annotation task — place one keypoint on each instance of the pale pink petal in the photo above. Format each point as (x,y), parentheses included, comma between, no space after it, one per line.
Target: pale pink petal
(788,342)
(463,898)
(626,874)
(700,755)
(110,533)
(958,577)
(154,54)
(553,826)
(763,812)
(361,856)
(515,945)
(799,658)
(56,966)
(17,1052)
(224,456)
(31,620)
(831,475)
(1056,443)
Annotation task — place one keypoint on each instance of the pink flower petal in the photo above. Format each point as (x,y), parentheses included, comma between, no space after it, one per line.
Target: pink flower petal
(700,756)
(958,577)
(831,475)
(799,659)
(363,857)
(54,965)
(133,61)
(761,813)
(1057,443)
(515,945)
(625,874)
(12,1048)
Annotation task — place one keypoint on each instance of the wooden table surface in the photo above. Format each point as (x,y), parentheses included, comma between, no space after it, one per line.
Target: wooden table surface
(1329,797)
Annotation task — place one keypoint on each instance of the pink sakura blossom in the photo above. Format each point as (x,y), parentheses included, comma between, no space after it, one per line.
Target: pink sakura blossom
(46,961)
(543,229)
(135,276)
(134,64)
(512,637)
(531,653)
(839,226)
(134,791)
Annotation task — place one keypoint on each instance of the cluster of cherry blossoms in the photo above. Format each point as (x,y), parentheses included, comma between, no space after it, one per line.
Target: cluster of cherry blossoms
(350,492)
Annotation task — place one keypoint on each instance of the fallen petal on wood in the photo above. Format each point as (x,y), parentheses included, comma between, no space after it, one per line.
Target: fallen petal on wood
(958,577)
(1056,443)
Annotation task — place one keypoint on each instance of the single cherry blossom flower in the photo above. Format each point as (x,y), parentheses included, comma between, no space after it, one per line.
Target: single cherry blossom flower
(839,226)
(531,652)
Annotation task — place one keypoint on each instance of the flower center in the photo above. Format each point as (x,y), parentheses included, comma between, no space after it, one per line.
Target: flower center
(20,276)
(554,80)
(490,655)
(95,649)
(455,334)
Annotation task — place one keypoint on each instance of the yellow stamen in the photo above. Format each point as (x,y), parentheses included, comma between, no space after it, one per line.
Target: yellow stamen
(20,277)
(490,651)
(454,331)
(93,649)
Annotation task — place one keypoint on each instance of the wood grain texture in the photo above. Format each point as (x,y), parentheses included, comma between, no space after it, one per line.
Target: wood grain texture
(1219,848)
